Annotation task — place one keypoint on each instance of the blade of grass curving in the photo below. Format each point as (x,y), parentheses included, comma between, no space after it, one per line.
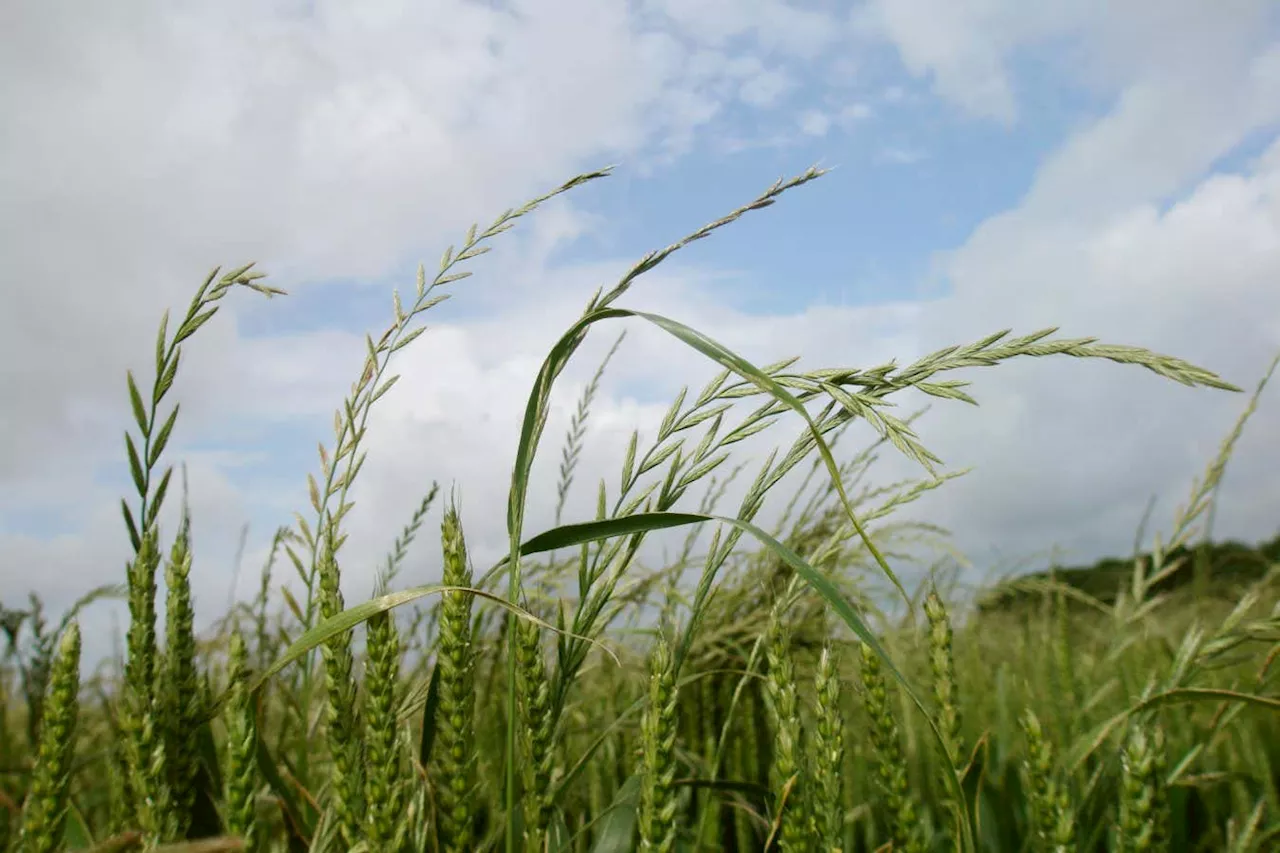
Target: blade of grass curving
(755,789)
(535,420)
(566,780)
(340,466)
(558,838)
(76,835)
(1090,742)
(577,534)
(205,820)
(564,349)
(429,711)
(975,355)
(106,592)
(618,826)
(535,417)
(353,616)
(299,825)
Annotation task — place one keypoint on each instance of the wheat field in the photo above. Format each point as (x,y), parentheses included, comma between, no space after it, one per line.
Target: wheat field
(772,703)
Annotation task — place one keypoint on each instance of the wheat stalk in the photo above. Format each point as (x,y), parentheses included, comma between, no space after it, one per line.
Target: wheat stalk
(45,813)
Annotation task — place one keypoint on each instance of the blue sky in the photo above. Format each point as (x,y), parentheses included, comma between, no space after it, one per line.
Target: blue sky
(911,177)
(1113,170)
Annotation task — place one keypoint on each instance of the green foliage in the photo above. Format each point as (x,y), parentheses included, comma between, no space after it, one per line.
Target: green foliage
(1217,569)
(1128,706)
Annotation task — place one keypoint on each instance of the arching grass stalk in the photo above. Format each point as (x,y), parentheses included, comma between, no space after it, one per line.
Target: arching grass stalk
(847,393)
(145,798)
(645,522)
(530,436)
(1132,606)
(769,475)
(146,415)
(833,384)
(340,465)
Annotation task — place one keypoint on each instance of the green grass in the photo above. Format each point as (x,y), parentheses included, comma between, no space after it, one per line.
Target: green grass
(570,698)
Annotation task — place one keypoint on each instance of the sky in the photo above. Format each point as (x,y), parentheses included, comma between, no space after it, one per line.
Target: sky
(1109,169)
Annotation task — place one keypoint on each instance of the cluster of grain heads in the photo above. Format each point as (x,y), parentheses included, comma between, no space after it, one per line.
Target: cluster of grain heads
(658,802)
(387,792)
(828,756)
(361,789)
(44,814)
(346,778)
(180,705)
(942,667)
(537,724)
(888,761)
(1143,819)
(142,795)
(161,695)
(789,782)
(1049,804)
(240,777)
(946,693)
(455,746)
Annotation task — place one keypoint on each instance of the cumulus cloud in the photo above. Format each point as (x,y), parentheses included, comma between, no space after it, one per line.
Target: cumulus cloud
(971,51)
(815,123)
(786,28)
(329,143)
(332,141)
(1072,452)
(150,142)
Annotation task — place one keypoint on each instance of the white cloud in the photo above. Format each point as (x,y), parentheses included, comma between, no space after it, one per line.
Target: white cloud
(1074,450)
(1134,154)
(780,26)
(968,49)
(350,139)
(765,88)
(149,142)
(854,113)
(815,123)
(900,156)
